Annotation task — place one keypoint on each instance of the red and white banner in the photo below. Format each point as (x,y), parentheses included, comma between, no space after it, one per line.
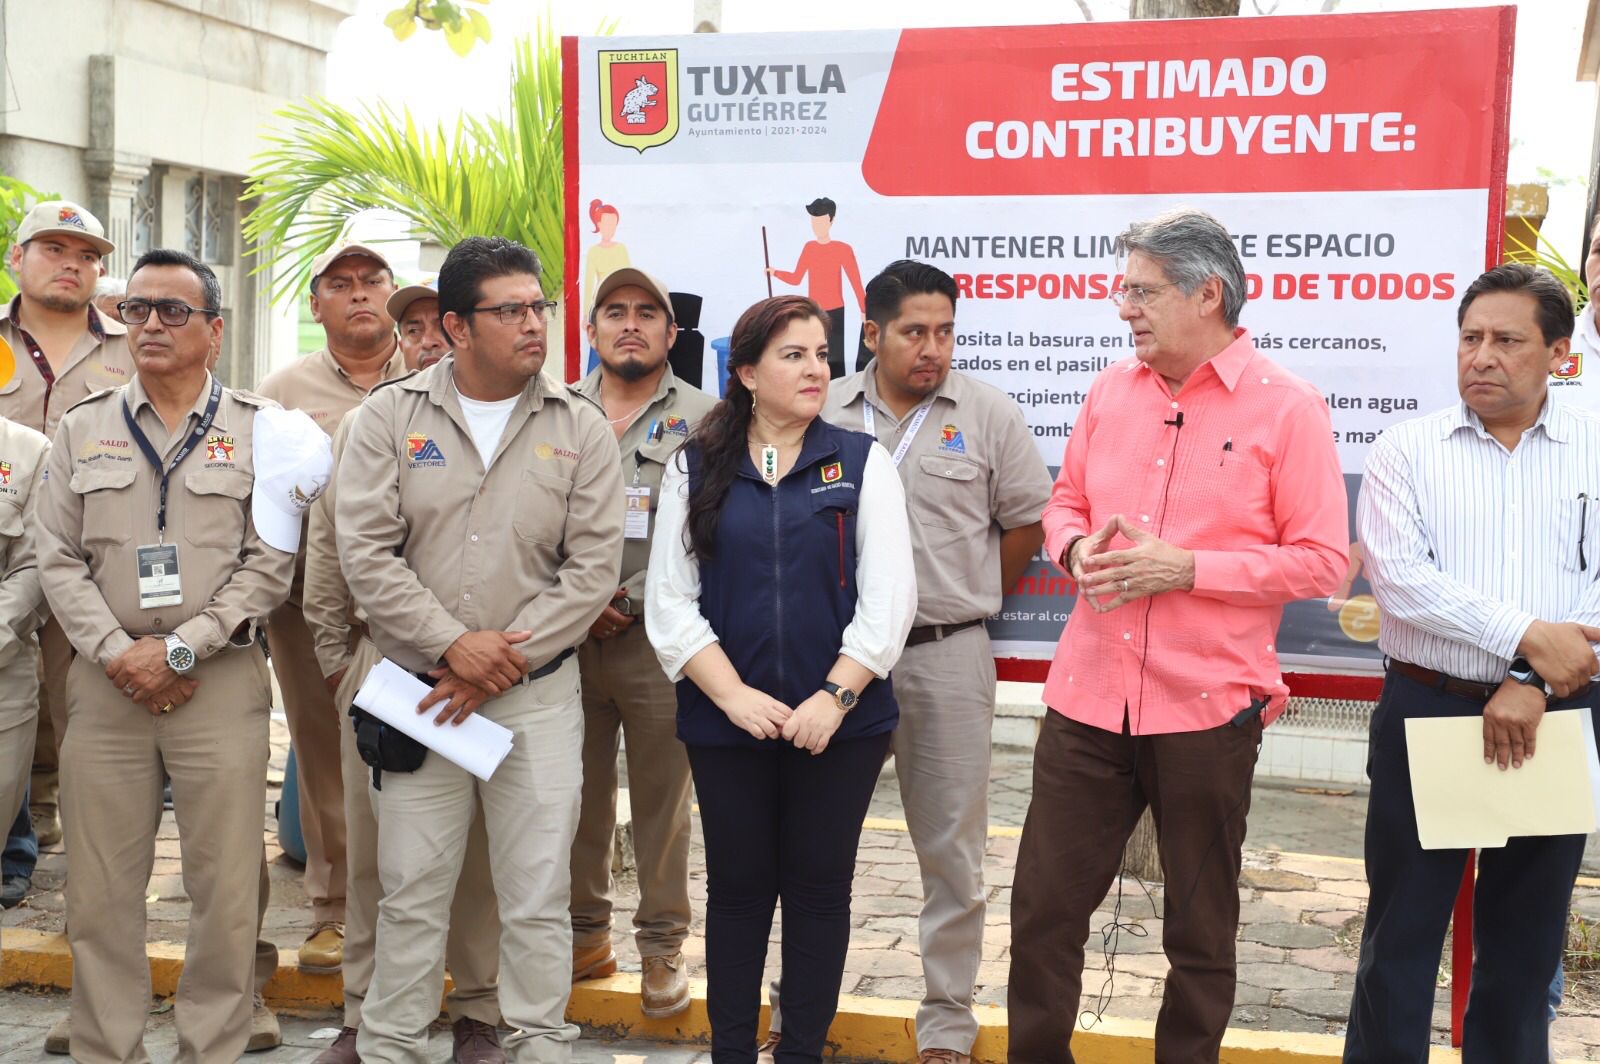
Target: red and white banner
(1358,161)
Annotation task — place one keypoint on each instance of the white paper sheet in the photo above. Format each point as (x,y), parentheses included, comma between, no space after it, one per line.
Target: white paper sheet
(1462,803)
(391,694)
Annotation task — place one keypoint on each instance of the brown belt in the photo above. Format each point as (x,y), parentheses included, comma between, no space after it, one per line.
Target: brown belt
(927,633)
(1478,692)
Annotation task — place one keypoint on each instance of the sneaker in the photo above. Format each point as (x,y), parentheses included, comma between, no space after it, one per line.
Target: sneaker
(59,1041)
(664,989)
(46,825)
(12,890)
(323,949)
(342,1051)
(476,1042)
(768,1049)
(264,1033)
(593,963)
(943,1056)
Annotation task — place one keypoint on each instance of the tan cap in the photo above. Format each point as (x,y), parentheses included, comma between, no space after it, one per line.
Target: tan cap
(626,276)
(408,295)
(67,219)
(339,251)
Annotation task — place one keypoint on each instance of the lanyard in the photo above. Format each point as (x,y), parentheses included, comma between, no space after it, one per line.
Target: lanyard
(869,419)
(183,452)
(42,364)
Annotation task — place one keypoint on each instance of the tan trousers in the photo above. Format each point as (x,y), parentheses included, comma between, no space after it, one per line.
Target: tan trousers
(625,694)
(314,733)
(215,749)
(19,708)
(530,807)
(942,750)
(54,657)
(472,944)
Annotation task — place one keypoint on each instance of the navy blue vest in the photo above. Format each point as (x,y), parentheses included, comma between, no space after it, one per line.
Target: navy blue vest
(782,586)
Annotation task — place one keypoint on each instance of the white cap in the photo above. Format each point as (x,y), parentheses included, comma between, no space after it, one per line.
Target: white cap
(293,461)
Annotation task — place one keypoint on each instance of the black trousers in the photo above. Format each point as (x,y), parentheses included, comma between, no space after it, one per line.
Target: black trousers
(780,823)
(1519,913)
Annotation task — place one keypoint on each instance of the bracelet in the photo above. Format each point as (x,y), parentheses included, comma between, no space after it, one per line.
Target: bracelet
(1071,543)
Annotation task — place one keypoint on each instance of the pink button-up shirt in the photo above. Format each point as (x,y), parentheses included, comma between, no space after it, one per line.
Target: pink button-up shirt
(1250,482)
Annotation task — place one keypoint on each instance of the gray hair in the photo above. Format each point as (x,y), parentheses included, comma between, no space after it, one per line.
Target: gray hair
(110,286)
(1192,247)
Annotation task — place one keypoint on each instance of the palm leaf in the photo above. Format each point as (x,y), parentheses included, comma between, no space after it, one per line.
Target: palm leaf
(1543,253)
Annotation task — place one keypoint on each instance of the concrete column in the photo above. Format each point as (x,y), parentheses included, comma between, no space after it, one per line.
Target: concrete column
(114,174)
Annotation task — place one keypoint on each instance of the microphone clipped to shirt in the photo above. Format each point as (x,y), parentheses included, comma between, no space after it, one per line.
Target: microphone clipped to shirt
(1176,420)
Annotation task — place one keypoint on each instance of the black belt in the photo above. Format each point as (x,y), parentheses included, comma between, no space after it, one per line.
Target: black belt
(537,674)
(1451,685)
(927,633)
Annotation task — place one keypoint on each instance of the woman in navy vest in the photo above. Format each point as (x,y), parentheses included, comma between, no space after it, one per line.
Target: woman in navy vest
(780,594)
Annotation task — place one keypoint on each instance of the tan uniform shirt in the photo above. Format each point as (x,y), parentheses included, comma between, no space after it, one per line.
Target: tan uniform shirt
(23,456)
(98,361)
(99,507)
(318,385)
(330,612)
(434,546)
(662,426)
(971,471)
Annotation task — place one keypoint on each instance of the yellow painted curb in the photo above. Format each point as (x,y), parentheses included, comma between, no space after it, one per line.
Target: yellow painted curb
(871,1028)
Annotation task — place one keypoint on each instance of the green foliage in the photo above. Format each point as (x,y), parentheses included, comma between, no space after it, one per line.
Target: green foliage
(462,27)
(1543,253)
(487,177)
(15,200)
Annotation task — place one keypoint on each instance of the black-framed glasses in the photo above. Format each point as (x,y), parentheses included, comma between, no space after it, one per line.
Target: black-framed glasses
(173,313)
(517,313)
(1136,294)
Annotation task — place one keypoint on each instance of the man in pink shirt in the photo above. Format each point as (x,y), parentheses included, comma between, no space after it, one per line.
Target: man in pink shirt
(825,263)
(1200,491)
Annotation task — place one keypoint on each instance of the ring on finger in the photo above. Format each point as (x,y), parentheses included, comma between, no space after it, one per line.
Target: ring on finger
(1124,586)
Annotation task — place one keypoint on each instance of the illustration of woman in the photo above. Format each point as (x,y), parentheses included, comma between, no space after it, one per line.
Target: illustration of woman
(606,254)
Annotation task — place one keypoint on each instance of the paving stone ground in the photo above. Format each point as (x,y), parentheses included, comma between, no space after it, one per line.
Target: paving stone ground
(1302,895)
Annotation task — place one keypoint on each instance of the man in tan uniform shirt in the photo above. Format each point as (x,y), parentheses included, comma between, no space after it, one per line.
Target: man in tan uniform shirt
(479,522)
(350,286)
(168,675)
(975,489)
(346,654)
(56,349)
(651,413)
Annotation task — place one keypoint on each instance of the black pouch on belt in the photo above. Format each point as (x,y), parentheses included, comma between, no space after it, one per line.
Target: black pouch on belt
(384,748)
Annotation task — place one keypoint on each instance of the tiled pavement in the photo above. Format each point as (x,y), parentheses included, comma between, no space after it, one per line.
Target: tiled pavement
(1300,916)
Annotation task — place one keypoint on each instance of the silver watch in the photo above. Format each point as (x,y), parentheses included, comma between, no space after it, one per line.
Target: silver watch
(180,658)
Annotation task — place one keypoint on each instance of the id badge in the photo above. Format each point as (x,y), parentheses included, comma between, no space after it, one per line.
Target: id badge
(636,522)
(158,576)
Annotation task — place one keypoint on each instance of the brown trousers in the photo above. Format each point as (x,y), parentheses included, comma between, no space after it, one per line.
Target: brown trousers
(1089,788)
(314,732)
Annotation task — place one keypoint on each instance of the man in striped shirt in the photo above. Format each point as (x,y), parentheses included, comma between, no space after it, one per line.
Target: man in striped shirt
(1474,521)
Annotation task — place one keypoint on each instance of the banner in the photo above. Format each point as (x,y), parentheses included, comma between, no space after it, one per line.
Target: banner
(1357,160)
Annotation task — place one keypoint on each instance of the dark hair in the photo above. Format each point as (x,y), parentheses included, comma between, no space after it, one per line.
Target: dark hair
(1554,311)
(172,257)
(722,438)
(475,260)
(822,205)
(907,277)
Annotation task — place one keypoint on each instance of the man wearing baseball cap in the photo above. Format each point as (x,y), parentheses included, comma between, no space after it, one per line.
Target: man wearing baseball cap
(55,349)
(651,413)
(346,653)
(350,287)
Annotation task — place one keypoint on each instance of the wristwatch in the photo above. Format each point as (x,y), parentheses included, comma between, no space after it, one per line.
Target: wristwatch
(1523,673)
(180,659)
(843,697)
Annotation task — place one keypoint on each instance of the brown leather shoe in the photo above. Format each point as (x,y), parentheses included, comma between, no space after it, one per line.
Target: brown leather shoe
(596,962)
(768,1049)
(943,1056)
(323,949)
(664,989)
(476,1042)
(343,1050)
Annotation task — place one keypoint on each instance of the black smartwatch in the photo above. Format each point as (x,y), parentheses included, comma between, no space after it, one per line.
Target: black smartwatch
(843,697)
(1523,673)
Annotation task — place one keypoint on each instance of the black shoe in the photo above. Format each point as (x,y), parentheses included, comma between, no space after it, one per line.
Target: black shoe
(12,890)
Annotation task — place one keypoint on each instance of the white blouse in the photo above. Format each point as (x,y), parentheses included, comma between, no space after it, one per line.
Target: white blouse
(886,578)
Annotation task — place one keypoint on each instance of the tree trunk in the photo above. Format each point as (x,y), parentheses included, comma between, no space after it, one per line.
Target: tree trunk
(1140,857)
(1182,8)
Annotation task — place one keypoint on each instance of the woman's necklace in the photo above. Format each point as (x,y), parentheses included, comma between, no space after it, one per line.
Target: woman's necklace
(769,461)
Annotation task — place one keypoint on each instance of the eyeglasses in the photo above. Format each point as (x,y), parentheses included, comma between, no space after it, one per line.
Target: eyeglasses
(1138,295)
(173,313)
(517,313)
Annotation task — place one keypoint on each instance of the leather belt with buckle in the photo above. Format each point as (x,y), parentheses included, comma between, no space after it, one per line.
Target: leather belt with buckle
(1451,685)
(928,633)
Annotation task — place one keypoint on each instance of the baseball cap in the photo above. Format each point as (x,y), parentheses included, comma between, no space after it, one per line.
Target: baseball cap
(626,276)
(408,295)
(67,219)
(339,251)
(293,463)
